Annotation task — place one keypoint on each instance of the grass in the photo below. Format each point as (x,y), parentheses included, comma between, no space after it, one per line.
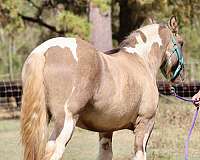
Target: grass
(167,141)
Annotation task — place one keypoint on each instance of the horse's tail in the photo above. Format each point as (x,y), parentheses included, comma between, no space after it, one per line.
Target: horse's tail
(33,110)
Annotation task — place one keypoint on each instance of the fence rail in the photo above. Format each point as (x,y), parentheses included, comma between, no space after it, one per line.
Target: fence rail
(10,90)
(185,89)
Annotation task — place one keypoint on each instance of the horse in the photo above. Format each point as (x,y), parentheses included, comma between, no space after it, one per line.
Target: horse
(70,82)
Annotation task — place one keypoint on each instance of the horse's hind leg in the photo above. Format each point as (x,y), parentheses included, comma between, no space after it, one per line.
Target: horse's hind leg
(71,84)
(65,121)
(142,133)
(105,146)
(60,136)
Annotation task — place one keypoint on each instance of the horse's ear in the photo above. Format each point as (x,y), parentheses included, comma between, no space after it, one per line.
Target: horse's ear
(173,24)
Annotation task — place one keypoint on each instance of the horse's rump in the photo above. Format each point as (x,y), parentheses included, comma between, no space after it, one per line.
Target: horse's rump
(59,72)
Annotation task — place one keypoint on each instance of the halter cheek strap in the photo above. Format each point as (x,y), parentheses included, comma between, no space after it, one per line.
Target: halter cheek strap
(179,55)
(175,50)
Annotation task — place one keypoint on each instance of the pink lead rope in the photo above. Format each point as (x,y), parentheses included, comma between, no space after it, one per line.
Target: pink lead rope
(193,121)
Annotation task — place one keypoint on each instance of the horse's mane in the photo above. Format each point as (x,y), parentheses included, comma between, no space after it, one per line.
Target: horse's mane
(131,38)
(124,43)
(112,51)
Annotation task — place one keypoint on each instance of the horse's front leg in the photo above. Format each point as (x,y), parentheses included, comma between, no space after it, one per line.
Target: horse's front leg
(105,146)
(142,133)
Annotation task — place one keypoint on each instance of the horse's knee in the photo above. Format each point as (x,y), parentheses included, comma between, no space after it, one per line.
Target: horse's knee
(105,140)
(140,153)
(105,146)
(142,134)
(105,143)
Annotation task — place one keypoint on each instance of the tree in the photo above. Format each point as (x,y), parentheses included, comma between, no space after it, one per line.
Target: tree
(101,32)
(50,14)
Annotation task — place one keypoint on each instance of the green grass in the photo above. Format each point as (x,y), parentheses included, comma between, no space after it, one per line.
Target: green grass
(167,141)
(9,140)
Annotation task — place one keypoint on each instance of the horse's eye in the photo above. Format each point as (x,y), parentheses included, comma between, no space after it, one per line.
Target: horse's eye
(181,44)
(174,67)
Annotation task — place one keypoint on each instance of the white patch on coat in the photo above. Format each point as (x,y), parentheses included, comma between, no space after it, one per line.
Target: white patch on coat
(60,42)
(139,39)
(139,156)
(63,138)
(66,132)
(144,144)
(50,146)
(151,33)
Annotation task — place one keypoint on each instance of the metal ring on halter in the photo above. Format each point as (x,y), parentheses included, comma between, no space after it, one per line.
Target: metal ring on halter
(172,90)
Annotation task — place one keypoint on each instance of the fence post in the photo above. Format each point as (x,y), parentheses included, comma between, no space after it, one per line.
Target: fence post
(10,61)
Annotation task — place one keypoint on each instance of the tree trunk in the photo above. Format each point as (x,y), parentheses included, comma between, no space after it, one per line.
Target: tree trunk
(131,17)
(101,33)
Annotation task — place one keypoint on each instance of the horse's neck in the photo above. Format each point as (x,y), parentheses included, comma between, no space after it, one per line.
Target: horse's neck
(154,59)
(148,44)
(157,55)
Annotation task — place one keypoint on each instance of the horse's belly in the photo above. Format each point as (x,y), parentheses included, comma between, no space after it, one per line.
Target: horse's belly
(109,119)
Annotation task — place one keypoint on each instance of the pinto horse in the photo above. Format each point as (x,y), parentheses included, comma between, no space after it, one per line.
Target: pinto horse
(69,81)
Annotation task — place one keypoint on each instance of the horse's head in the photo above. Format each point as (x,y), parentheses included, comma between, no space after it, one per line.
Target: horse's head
(173,63)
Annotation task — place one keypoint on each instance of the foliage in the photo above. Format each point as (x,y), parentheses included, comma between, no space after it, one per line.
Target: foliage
(76,25)
(9,15)
(192,42)
(18,46)
(104,5)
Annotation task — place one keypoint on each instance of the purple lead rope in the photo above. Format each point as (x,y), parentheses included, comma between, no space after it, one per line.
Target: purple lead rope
(193,121)
(190,132)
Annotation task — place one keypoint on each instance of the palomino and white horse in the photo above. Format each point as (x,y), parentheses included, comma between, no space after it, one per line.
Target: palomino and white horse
(69,81)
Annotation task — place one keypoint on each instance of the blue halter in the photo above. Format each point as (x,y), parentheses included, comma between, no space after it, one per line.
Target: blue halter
(176,49)
(180,64)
